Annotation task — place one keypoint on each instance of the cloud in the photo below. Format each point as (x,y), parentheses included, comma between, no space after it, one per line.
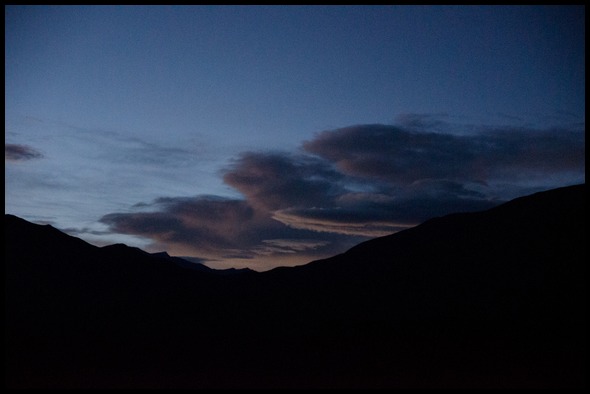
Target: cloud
(420,122)
(353,183)
(204,223)
(214,229)
(378,214)
(14,152)
(291,246)
(338,221)
(401,156)
(281,180)
(391,154)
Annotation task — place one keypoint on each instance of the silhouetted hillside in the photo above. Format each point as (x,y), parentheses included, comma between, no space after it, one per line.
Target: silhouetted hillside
(487,299)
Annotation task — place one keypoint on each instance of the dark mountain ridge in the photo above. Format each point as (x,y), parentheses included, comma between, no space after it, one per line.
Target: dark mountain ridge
(487,299)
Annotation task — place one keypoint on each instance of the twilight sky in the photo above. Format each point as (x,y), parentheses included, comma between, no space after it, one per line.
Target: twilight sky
(265,136)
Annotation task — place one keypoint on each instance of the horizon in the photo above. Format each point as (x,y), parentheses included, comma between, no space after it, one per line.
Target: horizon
(267,136)
(192,260)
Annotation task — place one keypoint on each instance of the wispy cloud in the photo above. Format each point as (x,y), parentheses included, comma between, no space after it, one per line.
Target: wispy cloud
(15,152)
(377,214)
(291,246)
(87,172)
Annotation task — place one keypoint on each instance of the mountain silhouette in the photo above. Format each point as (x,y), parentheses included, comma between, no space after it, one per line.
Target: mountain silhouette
(492,299)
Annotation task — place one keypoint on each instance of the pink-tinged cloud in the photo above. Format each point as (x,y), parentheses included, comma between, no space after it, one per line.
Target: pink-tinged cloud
(333,221)
(221,231)
(274,181)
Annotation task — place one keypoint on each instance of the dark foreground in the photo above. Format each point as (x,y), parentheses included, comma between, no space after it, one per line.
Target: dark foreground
(494,299)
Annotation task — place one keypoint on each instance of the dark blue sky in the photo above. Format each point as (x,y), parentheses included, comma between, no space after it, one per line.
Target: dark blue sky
(264,136)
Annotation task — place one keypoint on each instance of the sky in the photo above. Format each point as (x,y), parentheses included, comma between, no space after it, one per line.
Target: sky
(265,136)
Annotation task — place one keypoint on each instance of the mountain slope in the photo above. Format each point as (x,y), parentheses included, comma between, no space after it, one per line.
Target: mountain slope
(498,295)
(487,299)
(72,307)
(521,246)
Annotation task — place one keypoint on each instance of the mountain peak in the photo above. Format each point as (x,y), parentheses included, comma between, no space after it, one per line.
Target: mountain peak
(163,254)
